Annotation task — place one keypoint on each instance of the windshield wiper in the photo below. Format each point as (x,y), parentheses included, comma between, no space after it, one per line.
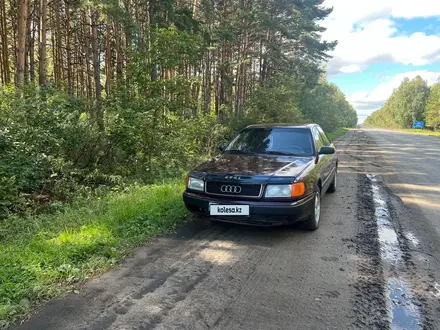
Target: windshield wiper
(281,153)
(236,151)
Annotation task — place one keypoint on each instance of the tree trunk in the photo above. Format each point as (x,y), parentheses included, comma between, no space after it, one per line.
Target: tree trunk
(222,74)
(4,47)
(241,71)
(78,60)
(207,84)
(58,47)
(2,71)
(27,46)
(195,8)
(54,54)
(150,17)
(21,43)
(96,71)
(217,84)
(238,86)
(14,42)
(86,45)
(68,50)
(32,53)
(108,64)
(119,55)
(42,44)
(82,70)
(128,39)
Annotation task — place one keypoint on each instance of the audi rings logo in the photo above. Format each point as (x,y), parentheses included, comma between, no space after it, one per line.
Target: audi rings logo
(230,189)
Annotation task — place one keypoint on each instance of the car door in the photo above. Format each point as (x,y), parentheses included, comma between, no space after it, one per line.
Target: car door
(332,159)
(324,164)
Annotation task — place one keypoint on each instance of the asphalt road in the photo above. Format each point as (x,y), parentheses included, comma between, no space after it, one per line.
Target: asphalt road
(373,264)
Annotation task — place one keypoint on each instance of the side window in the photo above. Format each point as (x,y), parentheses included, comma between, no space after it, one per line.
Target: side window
(317,138)
(324,137)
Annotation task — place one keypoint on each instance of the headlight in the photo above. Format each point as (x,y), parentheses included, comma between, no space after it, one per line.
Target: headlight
(285,190)
(196,184)
(279,190)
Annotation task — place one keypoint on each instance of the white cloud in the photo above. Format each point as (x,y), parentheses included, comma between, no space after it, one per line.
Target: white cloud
(350,68)
(411,8)
(367,102)
(367,33)
(362,10)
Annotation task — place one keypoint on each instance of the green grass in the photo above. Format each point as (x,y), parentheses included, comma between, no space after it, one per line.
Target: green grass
(421,132)
(337,133)
(40,257)
(413,131)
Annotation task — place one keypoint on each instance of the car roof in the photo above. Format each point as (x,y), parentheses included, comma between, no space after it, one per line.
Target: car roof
(275,125)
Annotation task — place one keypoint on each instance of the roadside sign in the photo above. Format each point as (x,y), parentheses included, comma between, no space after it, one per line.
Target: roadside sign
(419,124)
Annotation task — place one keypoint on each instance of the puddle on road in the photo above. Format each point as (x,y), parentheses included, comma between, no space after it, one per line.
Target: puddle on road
(404,314)
(389,243)
(436,290)
(412,239)
(389,246)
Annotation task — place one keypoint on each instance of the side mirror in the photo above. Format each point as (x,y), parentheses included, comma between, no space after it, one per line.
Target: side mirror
(327,151)
(222,148)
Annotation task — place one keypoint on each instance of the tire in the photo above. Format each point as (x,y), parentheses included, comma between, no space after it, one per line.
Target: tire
(312,223)
(333,185)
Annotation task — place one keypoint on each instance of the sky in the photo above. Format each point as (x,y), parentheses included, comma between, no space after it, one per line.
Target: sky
(380,42)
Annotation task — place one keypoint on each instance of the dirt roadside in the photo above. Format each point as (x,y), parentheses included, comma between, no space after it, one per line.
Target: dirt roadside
(221,276)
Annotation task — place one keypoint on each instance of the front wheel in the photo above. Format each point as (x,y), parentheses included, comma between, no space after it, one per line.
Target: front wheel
(312,223)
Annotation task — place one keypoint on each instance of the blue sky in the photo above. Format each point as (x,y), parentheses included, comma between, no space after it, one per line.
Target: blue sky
(380,43)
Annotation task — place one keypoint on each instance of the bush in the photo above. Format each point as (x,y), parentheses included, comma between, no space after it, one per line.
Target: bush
(50,150)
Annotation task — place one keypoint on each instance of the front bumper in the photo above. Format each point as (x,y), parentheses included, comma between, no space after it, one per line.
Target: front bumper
(262,213)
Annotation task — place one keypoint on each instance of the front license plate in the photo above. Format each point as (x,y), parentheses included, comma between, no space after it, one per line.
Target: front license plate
(229,209)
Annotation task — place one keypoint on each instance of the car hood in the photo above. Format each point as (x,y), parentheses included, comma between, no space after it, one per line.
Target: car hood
(255,165)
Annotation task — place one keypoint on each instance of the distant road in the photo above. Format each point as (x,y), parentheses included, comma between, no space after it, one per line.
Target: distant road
(373,264)
(411,168)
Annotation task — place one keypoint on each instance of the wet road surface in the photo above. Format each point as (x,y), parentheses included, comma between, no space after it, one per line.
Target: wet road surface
(373,264)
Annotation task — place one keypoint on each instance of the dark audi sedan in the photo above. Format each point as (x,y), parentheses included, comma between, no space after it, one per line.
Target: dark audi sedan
(268,175)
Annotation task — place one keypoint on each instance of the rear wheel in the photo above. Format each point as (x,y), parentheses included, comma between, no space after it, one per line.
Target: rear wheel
(332,187)
(312,223)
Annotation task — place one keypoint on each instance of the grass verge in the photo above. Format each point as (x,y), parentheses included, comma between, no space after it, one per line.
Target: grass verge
(413,131)
(337,133)
(421,132)
(40,257)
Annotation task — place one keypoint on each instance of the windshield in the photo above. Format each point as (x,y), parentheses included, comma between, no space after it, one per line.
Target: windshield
(281,141)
